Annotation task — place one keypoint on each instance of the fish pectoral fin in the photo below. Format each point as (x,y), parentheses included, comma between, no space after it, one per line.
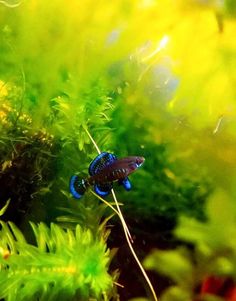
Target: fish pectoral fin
(126,183)
(103,189)
(100,162)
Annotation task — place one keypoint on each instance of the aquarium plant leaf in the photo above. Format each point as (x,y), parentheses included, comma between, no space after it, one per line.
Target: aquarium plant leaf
(4,208)
(172,263)
(209,258)
(176,293)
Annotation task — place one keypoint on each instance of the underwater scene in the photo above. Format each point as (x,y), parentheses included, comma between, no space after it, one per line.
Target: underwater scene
(118,150)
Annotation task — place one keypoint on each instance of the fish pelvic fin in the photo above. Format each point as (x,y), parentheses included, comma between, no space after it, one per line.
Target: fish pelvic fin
(77,186)
(125,183)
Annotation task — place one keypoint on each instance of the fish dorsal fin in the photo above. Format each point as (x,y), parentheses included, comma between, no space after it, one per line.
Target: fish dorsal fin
(100,162)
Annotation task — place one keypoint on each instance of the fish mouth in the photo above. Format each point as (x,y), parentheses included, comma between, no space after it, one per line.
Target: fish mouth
(140,161)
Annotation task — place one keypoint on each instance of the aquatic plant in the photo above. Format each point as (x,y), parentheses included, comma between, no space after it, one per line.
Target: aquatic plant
(26,159)
(154,78)
(204,267)
(64,264)
(135,92)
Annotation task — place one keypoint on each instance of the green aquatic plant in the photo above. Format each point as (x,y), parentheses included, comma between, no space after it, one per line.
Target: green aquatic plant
(74,65)
(209,250)
(27,156)
(63,265)
(177,187)
(64,96)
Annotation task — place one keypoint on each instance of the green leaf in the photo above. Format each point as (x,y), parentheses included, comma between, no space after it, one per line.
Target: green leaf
(174,264)
(4,208)
(175,293)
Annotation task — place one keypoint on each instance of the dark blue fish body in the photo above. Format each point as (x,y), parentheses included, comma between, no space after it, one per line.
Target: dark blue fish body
(104,170)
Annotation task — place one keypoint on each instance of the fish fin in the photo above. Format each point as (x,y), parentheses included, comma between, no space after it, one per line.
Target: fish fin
(101,161)
(77,187)
(103,189)
(126,183)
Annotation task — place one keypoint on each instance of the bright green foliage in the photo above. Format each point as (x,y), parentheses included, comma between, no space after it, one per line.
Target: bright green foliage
(80,64)
(64,264)
(145,77)
(230,7)
(82,213)
(213,250)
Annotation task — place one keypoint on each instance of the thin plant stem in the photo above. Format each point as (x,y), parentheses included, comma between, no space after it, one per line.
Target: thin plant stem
(124,225)
(114,209)
(105,202)
(132,249)
(91,138)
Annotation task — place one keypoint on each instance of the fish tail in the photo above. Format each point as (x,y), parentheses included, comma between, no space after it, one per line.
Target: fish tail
(78,186)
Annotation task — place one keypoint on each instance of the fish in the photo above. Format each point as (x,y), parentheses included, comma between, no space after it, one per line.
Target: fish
(105,169)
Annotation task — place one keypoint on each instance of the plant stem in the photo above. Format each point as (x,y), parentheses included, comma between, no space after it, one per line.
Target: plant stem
(124,225)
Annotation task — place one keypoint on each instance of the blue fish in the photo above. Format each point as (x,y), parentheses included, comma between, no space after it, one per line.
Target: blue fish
(103,171)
